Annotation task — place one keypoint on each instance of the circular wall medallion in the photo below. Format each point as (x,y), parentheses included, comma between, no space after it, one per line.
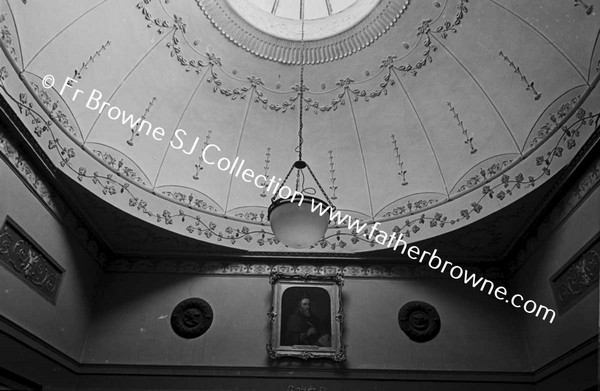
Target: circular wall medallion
(191,318)
(419,320)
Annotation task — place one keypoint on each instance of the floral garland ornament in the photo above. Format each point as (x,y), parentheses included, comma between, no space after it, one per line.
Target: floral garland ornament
(345,87)
(63,147)
(112,184)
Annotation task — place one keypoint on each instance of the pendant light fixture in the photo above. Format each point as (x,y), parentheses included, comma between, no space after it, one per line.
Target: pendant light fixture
(292,220)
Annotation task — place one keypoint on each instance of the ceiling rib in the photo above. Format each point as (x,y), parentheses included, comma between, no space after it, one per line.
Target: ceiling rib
(61,31)
(275,6)
(123,82)
(362,154)
(545,38)
(329,9)
(177,127)
(437,161)
(592,56)
(484,93)
(237,150)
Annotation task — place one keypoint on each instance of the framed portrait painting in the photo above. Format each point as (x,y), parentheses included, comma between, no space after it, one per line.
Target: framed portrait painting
(306,317)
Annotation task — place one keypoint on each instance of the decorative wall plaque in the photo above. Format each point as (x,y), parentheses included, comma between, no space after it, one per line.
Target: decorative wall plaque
(577,278)
(419,320)
(191,318)
(23,257)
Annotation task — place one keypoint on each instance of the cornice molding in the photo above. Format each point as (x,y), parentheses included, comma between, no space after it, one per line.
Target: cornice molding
(558,212)
(38,184)
(398,270)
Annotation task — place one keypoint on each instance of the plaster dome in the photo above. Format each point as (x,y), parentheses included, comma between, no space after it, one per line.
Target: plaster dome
(424,116)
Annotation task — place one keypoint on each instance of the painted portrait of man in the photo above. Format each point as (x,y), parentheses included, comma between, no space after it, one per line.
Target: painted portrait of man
(306,317)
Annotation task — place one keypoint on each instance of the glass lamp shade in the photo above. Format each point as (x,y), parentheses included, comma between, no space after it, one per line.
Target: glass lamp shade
(295,224)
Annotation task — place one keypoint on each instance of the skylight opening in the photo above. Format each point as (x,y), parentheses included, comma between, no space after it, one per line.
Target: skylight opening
(313,9)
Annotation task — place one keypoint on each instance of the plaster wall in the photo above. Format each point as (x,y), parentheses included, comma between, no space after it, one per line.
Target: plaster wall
(132,325)
(579,323)
(63,325)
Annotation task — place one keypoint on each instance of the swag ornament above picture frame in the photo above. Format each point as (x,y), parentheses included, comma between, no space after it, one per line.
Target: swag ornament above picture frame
(306,316)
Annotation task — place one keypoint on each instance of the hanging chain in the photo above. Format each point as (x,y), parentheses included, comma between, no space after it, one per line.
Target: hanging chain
(298,181)
(299,173)
(283,183)
(300,139)
(320,187)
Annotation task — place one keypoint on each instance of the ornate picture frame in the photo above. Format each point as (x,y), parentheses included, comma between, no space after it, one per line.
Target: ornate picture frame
(306,316)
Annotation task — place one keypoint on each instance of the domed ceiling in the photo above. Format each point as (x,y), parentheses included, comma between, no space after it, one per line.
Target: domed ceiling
(422,115)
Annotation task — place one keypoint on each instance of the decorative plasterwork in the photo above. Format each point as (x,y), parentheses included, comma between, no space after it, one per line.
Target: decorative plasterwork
(59,136)
(346,89)
(120,164)
(569,203)
(420,321)
(464,131)
(403,271)
(290,27)
(36,183)
(230,232)
(79,72)
(191,318)
(7,26)
(23,257)
(287,51)
(577,278)
(484,171)
(589,8)
(528,85)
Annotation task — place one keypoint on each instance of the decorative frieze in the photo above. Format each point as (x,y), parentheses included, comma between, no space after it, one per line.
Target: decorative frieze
(47,195)
(23,257)
(258,269)
(577,278)
(568,204)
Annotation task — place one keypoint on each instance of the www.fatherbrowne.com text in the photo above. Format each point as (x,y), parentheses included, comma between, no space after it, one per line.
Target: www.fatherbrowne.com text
(95,103)
(434,262)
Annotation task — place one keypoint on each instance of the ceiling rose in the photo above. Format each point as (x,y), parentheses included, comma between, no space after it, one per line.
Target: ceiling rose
(334,33)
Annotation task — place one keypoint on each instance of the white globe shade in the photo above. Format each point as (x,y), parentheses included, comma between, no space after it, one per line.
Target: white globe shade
(295,225)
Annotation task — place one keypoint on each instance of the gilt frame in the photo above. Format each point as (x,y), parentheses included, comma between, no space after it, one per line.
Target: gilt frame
(325,289)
